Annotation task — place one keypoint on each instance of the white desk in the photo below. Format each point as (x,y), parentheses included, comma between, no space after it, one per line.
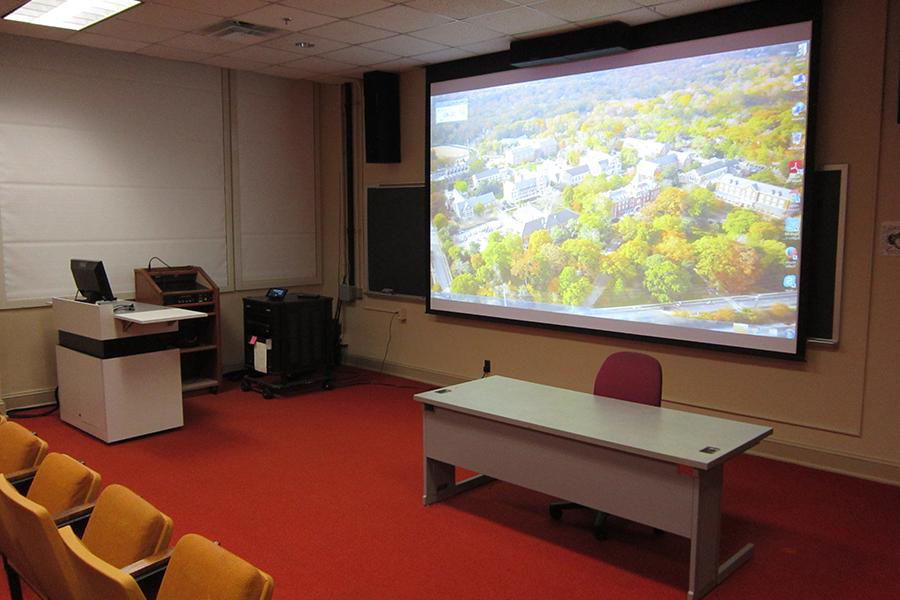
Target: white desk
(117,373)
(652,465)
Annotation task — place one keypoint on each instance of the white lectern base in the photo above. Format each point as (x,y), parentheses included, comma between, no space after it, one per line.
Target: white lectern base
(119,398)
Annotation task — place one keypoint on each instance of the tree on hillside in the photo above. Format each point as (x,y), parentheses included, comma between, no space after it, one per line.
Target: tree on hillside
(738,222)
(729,266)
(665,280)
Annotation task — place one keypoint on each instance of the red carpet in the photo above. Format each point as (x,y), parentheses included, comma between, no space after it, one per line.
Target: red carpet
(323,490)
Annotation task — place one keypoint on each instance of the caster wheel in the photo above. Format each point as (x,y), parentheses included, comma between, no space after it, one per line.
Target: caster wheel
(245,386)
(214,390)
(555,513)
(268,395)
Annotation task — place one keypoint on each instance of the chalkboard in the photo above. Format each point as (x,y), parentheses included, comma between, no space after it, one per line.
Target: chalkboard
(397,234)
(825,249)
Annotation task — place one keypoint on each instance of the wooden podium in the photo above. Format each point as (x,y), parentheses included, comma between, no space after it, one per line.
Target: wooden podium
(198,340)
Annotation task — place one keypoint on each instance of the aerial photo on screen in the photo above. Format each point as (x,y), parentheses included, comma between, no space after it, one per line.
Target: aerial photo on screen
(668,192)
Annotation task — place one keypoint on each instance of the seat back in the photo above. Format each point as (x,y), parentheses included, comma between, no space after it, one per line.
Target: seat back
(97,578)
(124,527)
(19,448)
(630,376)
(201,569)
(36,551)
(61,483)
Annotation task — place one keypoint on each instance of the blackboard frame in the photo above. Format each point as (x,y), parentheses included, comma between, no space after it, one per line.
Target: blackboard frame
(826,249)
(397,241)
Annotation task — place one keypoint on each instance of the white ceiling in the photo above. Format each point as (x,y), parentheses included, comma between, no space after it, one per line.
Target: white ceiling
(349,36)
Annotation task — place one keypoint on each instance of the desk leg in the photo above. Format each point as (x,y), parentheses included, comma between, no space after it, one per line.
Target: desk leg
(440,481)
(706,572)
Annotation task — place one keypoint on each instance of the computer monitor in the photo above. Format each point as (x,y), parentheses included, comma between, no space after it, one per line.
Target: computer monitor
(90,278)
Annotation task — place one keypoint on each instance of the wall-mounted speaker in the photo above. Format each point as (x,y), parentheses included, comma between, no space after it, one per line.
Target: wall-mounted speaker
(381,93)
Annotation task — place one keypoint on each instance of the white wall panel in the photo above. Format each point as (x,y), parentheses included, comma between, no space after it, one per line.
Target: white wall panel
(275,172)
(107,156)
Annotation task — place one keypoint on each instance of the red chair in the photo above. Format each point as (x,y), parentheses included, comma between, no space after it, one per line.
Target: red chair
(629,376)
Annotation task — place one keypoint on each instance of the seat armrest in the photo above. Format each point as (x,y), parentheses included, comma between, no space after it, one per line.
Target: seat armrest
(77,517)
(21,480)
(149,566)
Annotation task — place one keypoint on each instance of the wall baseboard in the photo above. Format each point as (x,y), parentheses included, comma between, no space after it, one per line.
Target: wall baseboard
(817,458)
(791,452)
(28,399)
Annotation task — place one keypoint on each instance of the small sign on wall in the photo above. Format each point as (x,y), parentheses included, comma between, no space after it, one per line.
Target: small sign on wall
(890,238)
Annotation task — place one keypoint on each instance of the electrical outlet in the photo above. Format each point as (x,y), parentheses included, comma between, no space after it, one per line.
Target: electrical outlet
(401,315)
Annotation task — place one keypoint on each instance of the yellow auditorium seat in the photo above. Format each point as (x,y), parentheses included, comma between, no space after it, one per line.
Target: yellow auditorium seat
(20,449)
(198,569)
(65,488)
(123,528)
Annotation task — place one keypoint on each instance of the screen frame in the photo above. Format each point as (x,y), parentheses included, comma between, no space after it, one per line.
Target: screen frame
(736,19)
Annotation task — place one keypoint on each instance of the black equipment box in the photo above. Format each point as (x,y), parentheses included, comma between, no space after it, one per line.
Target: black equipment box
(297,332)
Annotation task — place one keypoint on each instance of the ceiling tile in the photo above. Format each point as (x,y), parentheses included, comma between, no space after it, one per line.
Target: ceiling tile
(289,43)
(38,31)
(233,62)
(350,32)
(631,17)
(271,56)
(358,55)
(404,45)
(168,17)
(686,7)
(342,9)
(222,8)
(202,43)
(173,53)
(401,19)
(460,9)
(274,15)
(127,30)
(443,55)
(331,79)
(488,47)
(517,20)
(290,73)
(398,66)
(457,33)
(314,64)
(86,38)
(581,10)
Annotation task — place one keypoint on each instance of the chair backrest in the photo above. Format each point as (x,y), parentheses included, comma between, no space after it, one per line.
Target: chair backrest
(96,578)
(201,569)
(630,376)
(37,551)
(124,527)
(61,483)
(19,448)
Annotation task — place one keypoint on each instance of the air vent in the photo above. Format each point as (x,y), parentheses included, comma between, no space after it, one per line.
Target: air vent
(238,30)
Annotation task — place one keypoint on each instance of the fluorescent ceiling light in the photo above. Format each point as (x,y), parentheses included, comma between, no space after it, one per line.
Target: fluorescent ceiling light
(69,14)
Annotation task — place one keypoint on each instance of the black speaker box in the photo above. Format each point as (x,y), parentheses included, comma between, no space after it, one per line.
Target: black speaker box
(381,93)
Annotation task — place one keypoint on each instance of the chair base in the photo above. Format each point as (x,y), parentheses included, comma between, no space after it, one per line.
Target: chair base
(556,512)
(557,508)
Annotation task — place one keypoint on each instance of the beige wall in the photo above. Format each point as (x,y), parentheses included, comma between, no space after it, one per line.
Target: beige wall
(839,409)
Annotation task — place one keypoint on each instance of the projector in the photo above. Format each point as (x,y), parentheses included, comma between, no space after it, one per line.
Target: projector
(591,42)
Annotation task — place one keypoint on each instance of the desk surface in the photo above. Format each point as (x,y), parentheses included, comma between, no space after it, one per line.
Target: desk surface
(665,434)
(151,313)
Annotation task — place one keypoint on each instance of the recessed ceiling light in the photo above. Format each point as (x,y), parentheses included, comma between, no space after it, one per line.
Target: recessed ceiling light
(304,44)
(68,14)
